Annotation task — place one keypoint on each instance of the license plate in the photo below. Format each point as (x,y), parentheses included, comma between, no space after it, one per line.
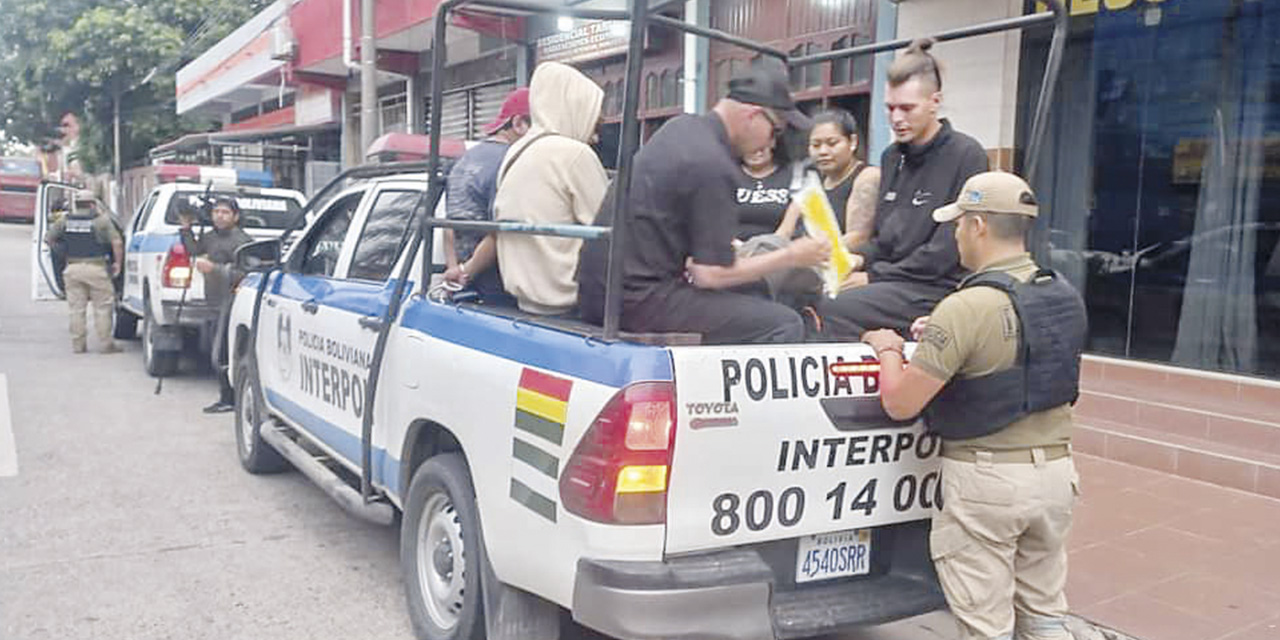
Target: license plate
(833,555)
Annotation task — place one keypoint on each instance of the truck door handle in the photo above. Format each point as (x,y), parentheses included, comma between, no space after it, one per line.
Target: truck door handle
(271,302)
(311,306)
(372,323)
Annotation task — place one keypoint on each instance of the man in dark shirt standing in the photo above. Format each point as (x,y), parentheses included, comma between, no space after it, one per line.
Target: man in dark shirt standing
(216,256)
(471,256)
(680,259)
(910,261)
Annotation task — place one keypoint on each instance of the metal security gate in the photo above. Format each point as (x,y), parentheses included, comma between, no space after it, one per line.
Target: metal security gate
(488,102)
(465,112)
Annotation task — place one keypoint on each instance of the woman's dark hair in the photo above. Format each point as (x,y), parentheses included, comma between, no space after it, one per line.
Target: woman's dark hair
(843,120)
(784,144)
(916,62)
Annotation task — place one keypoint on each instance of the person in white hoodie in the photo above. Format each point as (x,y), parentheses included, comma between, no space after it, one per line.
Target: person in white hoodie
(551,176)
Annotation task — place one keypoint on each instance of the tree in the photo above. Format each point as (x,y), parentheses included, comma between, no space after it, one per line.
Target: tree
(79,55)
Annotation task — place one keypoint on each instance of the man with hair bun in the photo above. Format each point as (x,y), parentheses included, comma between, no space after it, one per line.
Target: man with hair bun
(910,262)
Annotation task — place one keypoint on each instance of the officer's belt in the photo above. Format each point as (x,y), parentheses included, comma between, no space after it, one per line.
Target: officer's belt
(86,260)
(1025,456)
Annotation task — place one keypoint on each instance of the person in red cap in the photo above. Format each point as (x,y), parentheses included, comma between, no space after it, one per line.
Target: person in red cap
(471,256)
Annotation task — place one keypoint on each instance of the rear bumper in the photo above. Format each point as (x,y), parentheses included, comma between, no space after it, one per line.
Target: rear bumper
(198,316)
(749,593)
(195,315)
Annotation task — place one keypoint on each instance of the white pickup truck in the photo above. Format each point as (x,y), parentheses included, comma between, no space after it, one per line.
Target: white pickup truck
(652,490)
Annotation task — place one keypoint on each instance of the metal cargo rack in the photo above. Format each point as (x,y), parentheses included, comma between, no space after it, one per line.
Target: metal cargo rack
(640,14)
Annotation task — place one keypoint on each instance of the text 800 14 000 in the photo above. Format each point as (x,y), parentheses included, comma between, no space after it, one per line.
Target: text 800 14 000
(761,509)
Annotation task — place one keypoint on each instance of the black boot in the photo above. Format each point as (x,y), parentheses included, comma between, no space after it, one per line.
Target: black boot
(226,398)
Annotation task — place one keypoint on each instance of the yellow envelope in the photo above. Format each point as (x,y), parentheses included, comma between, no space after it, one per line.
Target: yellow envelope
(820,222)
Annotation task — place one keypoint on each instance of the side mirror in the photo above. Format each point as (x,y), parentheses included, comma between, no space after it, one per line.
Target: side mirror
(262,255)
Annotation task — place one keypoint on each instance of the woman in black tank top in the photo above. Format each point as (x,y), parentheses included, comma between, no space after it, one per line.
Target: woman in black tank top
(850,184)
(763,193)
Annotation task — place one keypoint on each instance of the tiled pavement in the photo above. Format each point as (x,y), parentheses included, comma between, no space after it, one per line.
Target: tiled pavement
(1161,557)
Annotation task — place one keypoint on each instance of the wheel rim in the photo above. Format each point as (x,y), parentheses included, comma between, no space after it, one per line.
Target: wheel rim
(441,561)
(248,419)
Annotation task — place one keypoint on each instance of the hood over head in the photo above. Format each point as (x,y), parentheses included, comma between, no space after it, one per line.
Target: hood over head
(562,100)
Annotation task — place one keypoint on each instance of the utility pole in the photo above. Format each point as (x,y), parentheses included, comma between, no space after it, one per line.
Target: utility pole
(116,95)
(115,161)
(368,78)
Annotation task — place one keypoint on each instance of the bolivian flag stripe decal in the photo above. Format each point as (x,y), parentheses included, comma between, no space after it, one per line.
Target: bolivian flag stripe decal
(532,499)
(536,458)
(542,406)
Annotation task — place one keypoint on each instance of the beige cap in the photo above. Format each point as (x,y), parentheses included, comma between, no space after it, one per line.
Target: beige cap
(991,192)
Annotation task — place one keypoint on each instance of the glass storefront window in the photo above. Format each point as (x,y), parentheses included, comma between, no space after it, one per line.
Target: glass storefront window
(1160,177)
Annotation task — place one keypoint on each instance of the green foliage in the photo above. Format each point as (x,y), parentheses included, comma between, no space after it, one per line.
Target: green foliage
(59,56)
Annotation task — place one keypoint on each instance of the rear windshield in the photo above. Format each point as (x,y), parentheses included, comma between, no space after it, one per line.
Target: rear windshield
(257,210)
(19,167)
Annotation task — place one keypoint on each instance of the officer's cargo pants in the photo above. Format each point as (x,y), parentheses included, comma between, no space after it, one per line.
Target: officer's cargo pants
(999,546)
(88,282)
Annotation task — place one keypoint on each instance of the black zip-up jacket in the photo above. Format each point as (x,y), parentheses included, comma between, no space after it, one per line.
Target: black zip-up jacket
(219,245)
(906,245)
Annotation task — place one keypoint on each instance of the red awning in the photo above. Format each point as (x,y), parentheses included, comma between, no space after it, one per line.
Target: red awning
(410,146)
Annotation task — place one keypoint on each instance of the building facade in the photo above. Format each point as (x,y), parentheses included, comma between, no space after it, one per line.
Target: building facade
(1160,189)
(1161,176)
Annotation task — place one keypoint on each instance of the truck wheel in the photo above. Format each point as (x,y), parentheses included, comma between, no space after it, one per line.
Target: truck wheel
(157,362)
(440,552)
(256,456)
(125,325)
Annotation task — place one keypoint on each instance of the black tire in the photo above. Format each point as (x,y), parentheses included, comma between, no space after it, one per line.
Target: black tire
(156,361)
(256,456)
(125,325)
(441,507)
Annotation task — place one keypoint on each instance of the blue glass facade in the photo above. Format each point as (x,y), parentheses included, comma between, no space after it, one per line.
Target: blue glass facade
(1161,179)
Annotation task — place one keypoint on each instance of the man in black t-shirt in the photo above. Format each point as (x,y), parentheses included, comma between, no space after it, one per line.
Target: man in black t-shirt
(679,246)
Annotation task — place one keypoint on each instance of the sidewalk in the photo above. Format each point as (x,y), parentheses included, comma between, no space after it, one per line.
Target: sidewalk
(1160,557)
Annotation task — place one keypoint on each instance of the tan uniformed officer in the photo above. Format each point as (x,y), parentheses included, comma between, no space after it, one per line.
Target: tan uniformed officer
(995,373)
(87,238)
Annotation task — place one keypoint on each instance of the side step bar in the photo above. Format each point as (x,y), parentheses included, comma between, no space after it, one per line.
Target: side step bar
(331,483)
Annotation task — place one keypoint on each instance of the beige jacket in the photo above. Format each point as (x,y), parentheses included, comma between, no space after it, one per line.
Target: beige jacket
(559,180)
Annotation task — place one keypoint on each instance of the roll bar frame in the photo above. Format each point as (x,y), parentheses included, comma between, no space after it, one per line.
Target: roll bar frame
(640,13)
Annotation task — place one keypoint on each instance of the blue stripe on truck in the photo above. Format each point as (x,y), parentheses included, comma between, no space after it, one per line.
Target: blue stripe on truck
(614,365)
(611,364)
(152,242)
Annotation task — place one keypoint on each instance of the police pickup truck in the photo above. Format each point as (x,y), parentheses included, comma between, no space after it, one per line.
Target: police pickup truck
(651,490)
(159,274)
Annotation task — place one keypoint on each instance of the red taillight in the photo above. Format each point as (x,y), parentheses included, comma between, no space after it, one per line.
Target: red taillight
(177,267)
(619,471)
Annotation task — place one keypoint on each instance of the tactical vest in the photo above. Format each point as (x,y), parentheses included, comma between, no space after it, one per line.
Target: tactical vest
(1052,330)
(81,241)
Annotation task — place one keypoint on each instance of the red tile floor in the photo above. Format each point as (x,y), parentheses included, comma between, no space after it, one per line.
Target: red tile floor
(1160,557)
